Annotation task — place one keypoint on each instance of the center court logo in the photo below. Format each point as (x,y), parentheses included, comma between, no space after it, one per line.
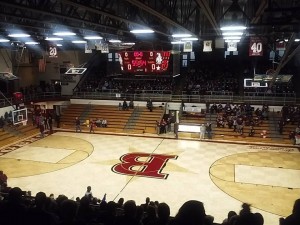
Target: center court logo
(143,165)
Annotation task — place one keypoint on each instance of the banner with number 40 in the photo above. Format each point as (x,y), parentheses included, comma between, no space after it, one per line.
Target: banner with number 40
(255,47)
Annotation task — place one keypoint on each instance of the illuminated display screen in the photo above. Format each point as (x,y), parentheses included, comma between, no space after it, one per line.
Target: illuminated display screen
(144,61)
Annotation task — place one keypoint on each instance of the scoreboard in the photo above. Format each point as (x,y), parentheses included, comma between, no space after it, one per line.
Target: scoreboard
(144,61)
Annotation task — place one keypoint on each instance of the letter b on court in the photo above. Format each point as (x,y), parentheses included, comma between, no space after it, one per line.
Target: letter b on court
(143,165)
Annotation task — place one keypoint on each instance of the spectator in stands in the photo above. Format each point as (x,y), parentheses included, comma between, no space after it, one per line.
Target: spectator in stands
(294,218)
(149,105)
(208,130)
(163,214)
(57,119)
(42,125)
(129,217)
(3,181)
(92,125)
(259,219)
(176,127)
(89,193)
(131,104)
(190,213)
(202,131)
(98,122)
(229,216)
(120,106)
(68,212)
(1,122)
(49,121)
(214,108)
(104,123)
(146,204)
(13,211)
(150,216)
(39,215)
(246,217)
(125,105)
(77,125)
(251,132)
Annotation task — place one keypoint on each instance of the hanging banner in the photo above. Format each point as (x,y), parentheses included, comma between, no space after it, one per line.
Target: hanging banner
(42,65)
(255,47)
(280,46)
(232,46)
(87,48)
(188,46)
(207,46)
(52,51)
(104,48)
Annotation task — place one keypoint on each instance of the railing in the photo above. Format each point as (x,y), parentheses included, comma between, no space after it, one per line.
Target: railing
(31,98)
(164,97)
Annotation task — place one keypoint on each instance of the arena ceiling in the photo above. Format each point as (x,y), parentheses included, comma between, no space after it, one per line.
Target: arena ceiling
(272,19)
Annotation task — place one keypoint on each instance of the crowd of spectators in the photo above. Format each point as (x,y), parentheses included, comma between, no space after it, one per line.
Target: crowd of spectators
(18,207)
(236,117)
(127,85)
(211,80)
(277,89)
(42,88)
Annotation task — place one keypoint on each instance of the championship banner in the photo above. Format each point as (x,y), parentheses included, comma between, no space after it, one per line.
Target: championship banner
(98,46)
(207,46)
(188,46)
(42,65)
(255,47)
(231,46)
(104,48)
(87,48)
(52,51)
(280,46)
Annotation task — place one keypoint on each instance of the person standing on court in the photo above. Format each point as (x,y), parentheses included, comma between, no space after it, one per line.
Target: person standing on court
(77,125)
(202,131)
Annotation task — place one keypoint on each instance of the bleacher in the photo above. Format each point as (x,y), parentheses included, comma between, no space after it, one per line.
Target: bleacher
(138,120)
(266,132)
(11,134)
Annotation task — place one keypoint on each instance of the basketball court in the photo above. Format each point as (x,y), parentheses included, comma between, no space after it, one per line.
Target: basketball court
(220,175)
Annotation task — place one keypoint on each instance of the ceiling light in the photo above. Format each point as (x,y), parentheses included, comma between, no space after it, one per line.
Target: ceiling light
(64,33)
(19,35)
(3,40)
(190,39)
(53,39)
(234,40)
(114,41)
(58,45)
(182,35)
(232,37)
(128,43)
(142,31)
(232,28)
(31,43)
(93,37)
(79,42)
(232,33)
(177,42)
(297,40)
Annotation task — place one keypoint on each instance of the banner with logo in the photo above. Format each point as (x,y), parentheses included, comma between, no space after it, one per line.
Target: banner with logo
(87,48)
(104,48)
(255,47)
(207,46)
(188,46)
(232,46)
(52,51)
